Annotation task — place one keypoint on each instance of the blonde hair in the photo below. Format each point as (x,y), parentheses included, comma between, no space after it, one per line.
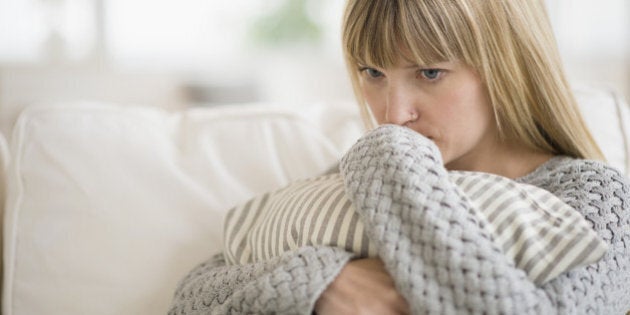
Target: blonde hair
(508,42)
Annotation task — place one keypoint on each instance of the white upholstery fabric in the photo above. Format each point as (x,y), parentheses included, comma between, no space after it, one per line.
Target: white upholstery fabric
(608,118)
(4,162)
(108,207)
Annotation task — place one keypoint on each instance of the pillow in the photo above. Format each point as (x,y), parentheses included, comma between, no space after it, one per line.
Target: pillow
(540,233)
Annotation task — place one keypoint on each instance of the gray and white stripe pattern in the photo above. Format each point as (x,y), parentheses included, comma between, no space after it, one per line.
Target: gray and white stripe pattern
(543,235)
(307,212)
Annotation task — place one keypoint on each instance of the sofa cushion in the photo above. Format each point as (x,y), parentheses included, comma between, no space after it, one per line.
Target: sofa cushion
(109,206)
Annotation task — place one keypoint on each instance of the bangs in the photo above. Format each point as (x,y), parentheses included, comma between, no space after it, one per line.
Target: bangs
(381,32)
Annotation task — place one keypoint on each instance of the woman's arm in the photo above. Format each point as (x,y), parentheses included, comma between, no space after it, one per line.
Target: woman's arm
(602,195)
(288,284)
(439,254)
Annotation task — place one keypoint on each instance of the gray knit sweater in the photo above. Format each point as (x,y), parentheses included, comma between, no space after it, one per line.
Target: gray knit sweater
(442,259)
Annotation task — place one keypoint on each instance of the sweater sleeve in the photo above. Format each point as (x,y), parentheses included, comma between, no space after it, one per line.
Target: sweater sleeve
(287,284)
(442,259)
(602,195)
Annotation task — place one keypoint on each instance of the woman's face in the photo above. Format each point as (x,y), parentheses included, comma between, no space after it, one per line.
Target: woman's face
(445,102)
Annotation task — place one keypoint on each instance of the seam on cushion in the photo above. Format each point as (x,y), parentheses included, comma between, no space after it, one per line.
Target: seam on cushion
(226,114)
(4,151)
(10,231)
(622,127)
(12,215)
(4,164)
(227,117)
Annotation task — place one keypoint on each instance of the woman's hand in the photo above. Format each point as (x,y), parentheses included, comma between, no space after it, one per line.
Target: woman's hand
(362,287)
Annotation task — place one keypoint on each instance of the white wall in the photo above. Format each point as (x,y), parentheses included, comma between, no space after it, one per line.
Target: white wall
(173,53)
(594,41)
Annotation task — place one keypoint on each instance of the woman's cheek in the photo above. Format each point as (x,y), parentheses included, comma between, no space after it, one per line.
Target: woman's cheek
(378,112)
(375,104)
(444,152)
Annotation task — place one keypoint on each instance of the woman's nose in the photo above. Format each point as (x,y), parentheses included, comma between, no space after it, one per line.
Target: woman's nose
(400,106)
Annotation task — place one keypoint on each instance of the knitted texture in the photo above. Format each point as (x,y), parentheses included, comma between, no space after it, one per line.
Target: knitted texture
(602,195)
(441,258)
(287,284)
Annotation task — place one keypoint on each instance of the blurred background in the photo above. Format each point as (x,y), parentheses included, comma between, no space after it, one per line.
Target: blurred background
(175,54)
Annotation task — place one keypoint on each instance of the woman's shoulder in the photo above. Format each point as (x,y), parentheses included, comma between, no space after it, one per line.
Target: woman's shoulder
(563,170)
(587,185)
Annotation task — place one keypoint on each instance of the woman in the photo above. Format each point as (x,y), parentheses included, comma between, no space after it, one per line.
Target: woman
(482,81)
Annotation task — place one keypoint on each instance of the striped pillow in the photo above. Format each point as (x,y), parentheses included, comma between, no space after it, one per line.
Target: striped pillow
(540,233)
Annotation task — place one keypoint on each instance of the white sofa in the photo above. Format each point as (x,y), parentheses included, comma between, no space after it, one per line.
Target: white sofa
(107,207)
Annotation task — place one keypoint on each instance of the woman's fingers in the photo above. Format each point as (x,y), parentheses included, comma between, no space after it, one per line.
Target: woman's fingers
(362,287)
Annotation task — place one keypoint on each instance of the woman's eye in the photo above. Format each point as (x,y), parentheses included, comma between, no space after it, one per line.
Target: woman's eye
(373,73)
(430,74)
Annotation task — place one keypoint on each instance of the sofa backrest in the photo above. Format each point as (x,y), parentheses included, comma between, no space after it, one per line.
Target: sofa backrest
(607,116)
(108,206)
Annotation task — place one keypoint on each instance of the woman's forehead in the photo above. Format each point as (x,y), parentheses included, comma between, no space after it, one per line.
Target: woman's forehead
(402,56)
